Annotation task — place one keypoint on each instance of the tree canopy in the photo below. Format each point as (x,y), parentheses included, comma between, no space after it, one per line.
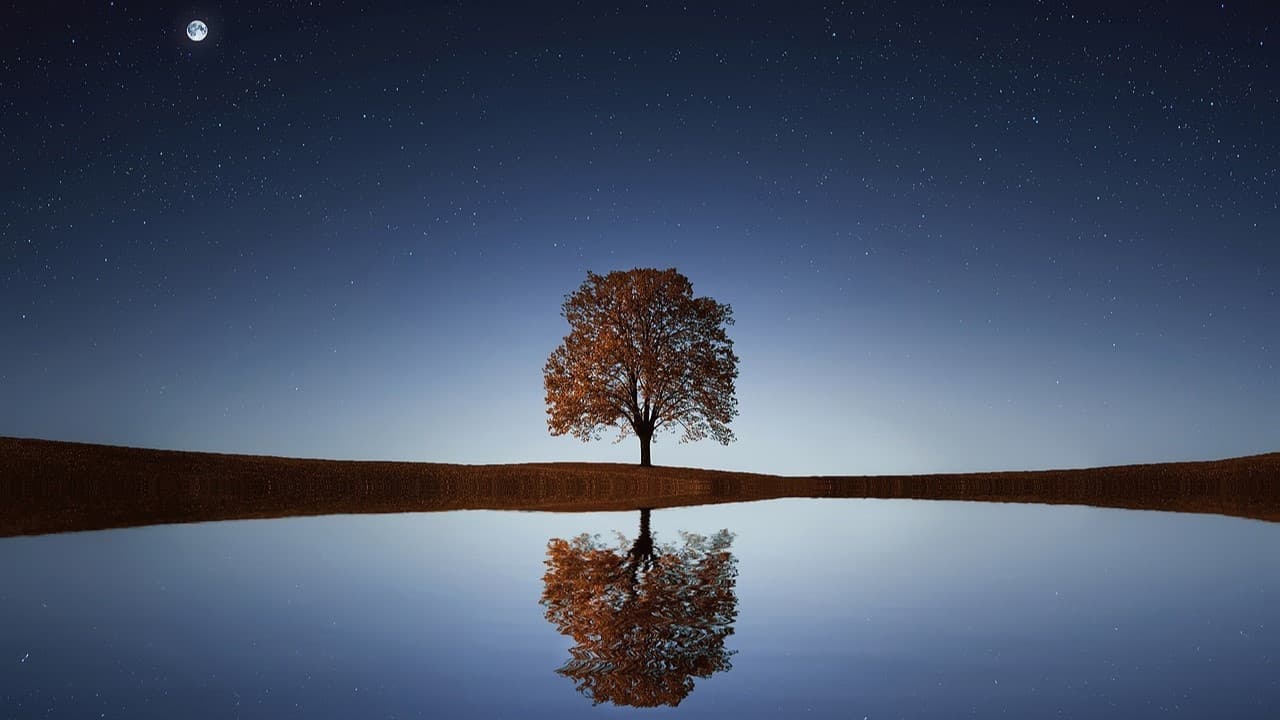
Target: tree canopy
(642,355)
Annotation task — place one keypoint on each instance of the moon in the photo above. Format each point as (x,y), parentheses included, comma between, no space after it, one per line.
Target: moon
(197,30)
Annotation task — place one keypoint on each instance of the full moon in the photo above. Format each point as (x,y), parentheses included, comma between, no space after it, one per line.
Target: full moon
(197,30)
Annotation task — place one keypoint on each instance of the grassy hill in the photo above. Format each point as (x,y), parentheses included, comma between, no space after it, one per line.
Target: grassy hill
(48,486)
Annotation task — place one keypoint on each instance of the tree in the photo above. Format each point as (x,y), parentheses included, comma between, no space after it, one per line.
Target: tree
(646,621)
(642,354)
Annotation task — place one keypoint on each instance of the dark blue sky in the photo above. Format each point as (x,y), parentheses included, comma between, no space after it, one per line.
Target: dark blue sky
(956,236)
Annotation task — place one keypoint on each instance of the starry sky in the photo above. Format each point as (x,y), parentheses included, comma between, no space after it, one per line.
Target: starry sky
(956,236)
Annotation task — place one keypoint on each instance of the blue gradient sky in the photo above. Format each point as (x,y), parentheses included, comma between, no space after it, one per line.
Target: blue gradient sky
(953,239)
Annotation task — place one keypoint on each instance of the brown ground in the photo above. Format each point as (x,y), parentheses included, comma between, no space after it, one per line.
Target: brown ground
(48,487)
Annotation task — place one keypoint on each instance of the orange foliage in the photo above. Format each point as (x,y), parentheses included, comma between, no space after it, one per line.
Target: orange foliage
(646,622)
(642,354)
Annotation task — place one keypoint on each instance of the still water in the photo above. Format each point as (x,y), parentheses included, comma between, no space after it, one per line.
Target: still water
(821,608)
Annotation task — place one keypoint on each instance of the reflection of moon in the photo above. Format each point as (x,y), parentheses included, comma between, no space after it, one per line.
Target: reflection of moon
(197,30)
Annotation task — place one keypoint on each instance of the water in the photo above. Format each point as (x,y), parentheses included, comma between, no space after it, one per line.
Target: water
(823,608)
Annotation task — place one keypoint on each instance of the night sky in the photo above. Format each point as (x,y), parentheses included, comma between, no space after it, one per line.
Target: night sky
(956,236)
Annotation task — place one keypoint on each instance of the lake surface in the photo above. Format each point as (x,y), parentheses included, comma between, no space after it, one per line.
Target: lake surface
(821,608)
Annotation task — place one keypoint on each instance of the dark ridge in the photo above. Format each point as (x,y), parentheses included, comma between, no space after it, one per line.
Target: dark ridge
(50,487)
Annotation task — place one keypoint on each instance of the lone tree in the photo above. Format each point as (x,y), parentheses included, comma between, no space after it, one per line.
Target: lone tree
(642,354)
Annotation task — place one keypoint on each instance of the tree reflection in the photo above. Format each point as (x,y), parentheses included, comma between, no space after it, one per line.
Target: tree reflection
(646,620)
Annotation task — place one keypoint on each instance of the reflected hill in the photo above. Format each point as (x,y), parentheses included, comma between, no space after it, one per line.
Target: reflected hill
(48,487)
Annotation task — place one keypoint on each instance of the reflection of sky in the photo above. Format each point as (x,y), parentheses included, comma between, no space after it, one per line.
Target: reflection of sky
(847,608)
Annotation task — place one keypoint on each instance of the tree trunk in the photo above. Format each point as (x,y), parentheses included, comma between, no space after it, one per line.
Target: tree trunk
(641,554)
(645,438)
